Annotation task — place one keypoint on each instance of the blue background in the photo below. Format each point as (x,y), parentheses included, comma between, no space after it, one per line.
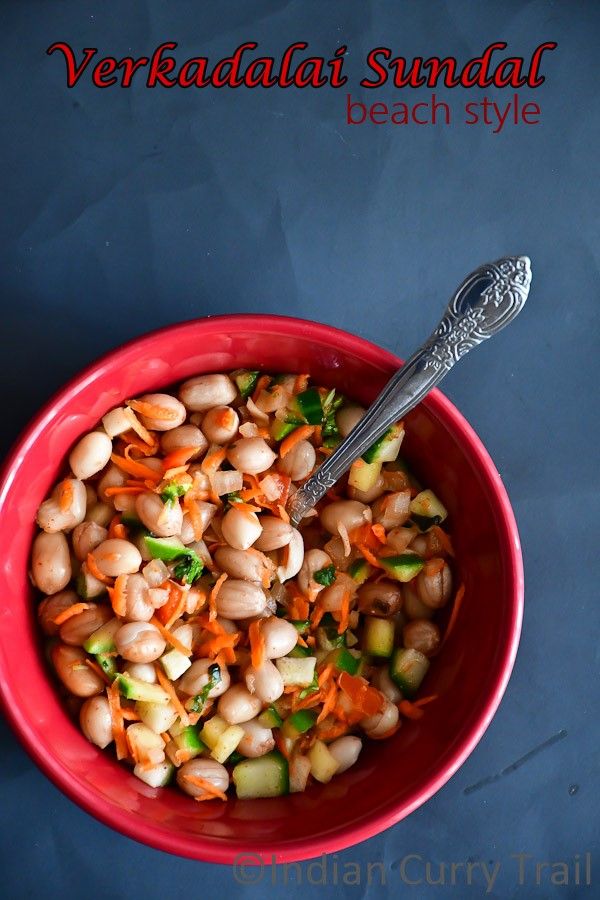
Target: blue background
(123,210)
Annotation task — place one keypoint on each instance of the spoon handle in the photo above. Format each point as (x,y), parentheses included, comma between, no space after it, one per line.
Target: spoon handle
(487,300)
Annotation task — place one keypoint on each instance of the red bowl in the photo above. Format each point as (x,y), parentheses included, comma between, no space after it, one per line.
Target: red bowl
(392,778)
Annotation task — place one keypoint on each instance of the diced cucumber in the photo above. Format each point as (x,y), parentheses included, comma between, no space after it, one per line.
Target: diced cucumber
(143,740)
(107,663)
(344,660)
(360,570)
(135,689)
(378,636)
(235,758)
(266,776)
(298,652)
(308,405)
(166,549)
(279,429)
(328,638)
(245,381)
(386,449)
(298,723)
(176,728)
(189,741)
(175,663)
(270,718)
(299,772)
(227,743)
(88,587)
(323,766)
(212,731)
(296,671)
(103,639)
(157,716)
(158,775)
(427,510)
(403,567)
(363,475)
(408,669)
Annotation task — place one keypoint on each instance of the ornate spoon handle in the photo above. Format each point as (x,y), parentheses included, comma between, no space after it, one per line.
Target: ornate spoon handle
(487,300)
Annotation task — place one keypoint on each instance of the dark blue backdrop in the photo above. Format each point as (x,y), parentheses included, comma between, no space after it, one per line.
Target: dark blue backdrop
(125,210)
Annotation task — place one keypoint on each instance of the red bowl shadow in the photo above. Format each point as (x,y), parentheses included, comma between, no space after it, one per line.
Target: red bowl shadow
(392,777)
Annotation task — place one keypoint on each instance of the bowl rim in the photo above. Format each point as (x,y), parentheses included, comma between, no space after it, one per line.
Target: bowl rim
(306,848)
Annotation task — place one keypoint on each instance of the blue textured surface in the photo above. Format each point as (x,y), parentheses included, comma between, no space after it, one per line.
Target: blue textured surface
(125,210)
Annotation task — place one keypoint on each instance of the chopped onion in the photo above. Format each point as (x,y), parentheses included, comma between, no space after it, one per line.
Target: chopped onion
(270,487)
(343,533)
(226,482)
(255,412)
(249,429)
(155,573)
(200,548)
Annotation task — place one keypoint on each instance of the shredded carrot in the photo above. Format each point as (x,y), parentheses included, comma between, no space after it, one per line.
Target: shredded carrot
(379,532)
(423,701)
(443,540)
(433,566)
(170,690)
(213,460)
(178,457)
(299,434)
(193,511)
(96,668)
(344,612)
(95,571)
(125,489)
(365,698)
(330,701)
(283,513)
(135,468)
(170,611)
(214,645)
(371,536)
(141,431)
(370,557)
(152,410)
(298,607)
(409,710)
(318,435)
(129,715)
(118,595)
(281,744)
(211,791)
(335,731)
(317,614)
(301,641)
(262,383)
(246,508)
(458,599)
(69,612)
(170,638)
(257,644)
(116,529)
(65,495)
(116,717)
(301,383)
(212,600)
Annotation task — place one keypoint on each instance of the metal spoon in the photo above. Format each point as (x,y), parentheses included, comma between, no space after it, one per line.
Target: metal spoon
(487,300)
